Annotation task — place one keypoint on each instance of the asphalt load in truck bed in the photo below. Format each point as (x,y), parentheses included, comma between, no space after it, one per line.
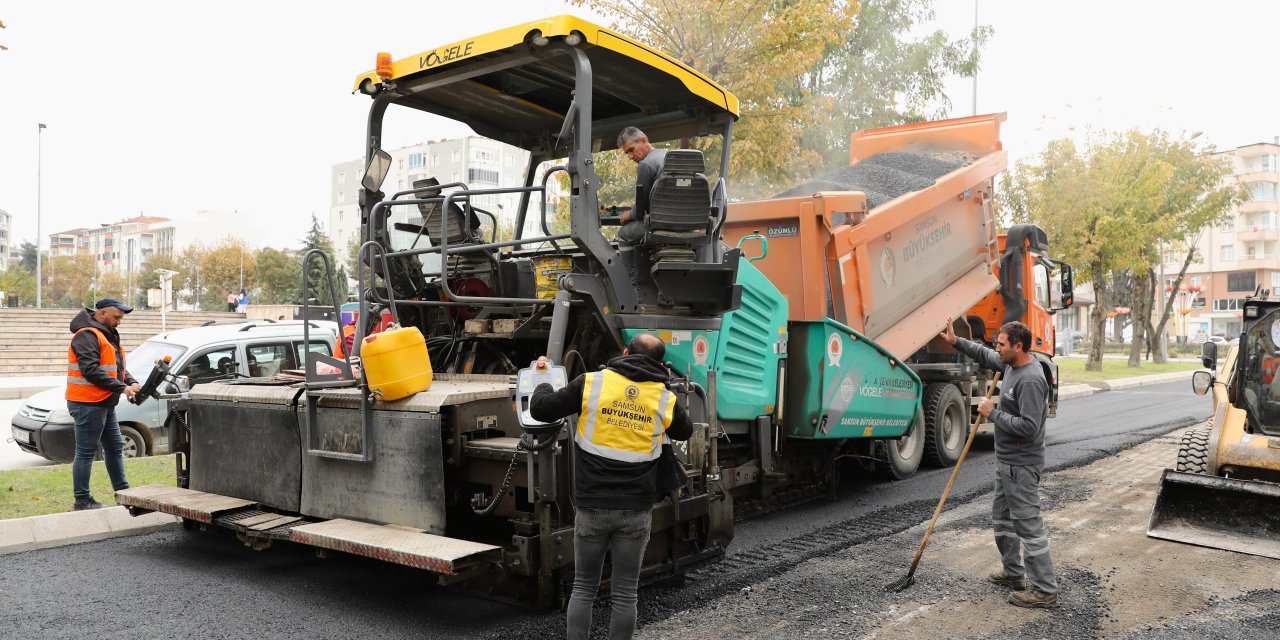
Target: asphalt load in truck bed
(884,176)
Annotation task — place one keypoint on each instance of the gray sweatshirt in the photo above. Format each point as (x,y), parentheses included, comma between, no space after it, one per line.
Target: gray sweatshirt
(1020,414)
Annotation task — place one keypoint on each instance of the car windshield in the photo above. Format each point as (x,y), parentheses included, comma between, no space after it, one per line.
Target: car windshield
(143,359)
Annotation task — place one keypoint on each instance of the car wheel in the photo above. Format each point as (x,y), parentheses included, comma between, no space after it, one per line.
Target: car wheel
(135,446)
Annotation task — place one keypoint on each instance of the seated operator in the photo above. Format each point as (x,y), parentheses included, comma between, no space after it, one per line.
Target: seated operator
(635,144)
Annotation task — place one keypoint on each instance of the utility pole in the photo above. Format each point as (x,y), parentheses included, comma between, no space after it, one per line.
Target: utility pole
(128,289)
(39,165)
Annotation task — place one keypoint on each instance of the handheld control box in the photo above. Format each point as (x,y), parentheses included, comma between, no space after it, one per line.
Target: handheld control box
(528,379)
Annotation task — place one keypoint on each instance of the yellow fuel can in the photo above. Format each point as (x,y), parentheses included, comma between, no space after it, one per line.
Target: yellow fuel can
(396,363)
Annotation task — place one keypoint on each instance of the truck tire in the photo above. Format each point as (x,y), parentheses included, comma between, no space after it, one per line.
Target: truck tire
(1193,450)
(946,419)
(898,459)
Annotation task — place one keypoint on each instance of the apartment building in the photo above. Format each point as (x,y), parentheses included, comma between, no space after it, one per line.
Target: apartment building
(1236,257)
(68,243)
(6,227)
(478,162)
(125,245)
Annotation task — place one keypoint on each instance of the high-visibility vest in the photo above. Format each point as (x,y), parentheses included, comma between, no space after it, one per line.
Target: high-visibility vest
(621,419)
(81,390)
(340,346)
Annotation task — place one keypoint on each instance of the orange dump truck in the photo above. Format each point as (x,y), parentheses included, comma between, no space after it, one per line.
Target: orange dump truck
(900,240)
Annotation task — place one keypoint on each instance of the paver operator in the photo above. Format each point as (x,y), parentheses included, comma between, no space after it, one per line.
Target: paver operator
(96,376)
(635,144)
(624,414)
(1019,439)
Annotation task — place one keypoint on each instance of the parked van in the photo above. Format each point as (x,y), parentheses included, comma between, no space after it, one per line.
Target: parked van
(200,354)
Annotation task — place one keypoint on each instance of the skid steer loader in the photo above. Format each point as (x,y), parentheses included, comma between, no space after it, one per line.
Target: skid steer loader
(1225,490)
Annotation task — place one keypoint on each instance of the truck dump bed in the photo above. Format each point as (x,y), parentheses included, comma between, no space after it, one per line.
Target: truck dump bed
(894,243)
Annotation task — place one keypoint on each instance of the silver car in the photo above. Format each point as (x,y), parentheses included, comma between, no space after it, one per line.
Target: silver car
(199,354)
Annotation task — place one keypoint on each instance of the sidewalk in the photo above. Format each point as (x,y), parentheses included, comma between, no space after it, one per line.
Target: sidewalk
(16,388)
(1079,389)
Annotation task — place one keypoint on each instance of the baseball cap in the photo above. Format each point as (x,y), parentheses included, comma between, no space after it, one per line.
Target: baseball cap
(112,302)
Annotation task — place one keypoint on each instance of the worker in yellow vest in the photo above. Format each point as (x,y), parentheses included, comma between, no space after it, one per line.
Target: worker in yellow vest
(96,377)
(625,413)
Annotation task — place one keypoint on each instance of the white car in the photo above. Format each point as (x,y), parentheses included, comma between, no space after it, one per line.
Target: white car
(200,354)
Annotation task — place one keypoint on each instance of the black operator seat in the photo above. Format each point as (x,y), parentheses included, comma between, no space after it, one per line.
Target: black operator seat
(679,207)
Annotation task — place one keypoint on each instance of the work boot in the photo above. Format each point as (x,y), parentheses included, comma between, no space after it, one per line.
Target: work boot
(1017,583)
(87,504)
(1034,599)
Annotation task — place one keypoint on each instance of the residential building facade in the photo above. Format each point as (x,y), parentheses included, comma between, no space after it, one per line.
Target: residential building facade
(478,162)
(1234,258)
(6,228)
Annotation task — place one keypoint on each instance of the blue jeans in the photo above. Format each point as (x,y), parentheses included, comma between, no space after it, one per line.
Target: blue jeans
(96,424)
(596,531)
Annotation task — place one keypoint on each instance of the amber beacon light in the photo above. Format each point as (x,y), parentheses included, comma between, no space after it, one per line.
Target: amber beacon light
(384,65)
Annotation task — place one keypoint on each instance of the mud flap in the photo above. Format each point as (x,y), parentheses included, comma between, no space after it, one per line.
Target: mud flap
(1222,513)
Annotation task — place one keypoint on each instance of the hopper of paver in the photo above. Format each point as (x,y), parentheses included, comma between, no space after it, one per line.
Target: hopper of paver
(893,243)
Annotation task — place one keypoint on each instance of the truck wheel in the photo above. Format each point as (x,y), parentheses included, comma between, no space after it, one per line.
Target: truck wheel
(946,424)
(899,458)
(1193,450)
(135,446)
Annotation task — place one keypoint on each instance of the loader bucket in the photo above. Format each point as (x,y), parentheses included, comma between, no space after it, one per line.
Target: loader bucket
(1222,513)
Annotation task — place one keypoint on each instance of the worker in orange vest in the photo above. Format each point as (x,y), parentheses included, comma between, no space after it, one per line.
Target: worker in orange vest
(96,377)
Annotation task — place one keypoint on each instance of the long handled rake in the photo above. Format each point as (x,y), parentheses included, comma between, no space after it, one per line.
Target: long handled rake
(911,575)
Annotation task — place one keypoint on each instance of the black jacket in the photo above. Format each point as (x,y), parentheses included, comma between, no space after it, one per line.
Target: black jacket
(85,345)
(599,482)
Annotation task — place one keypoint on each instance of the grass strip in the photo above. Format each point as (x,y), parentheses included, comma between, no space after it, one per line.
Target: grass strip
(36,491)
(1072,369)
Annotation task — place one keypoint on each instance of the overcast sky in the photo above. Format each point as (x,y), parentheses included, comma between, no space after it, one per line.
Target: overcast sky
(166,108)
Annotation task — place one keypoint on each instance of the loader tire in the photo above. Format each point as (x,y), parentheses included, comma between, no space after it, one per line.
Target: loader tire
(899,458)
(946,419)
(1193,450)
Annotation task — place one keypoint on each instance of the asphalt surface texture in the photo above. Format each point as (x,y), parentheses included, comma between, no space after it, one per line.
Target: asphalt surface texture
(208,585)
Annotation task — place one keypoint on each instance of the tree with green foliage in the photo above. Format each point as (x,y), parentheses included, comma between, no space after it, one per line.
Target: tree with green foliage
(279,277)
(317,283)
(807,73)
(28,253)
(1110,206)
(17,281)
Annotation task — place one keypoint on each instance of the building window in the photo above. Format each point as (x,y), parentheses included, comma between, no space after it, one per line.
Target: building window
(342,177)
(487,176)
(1225,226)
(1275,279)
(417,161)
(1262,191)
(1195,280)
(483,155)
(457,156)
(435,159)
(1225,253)
(1242,281)
(1227,304)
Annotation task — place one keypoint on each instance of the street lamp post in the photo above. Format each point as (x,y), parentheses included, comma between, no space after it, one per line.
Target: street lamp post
(39,162)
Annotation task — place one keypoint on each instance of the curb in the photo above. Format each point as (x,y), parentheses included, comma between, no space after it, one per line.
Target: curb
(1140,381)
(74,527)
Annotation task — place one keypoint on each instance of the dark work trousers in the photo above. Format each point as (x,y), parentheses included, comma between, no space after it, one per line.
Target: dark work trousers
(1020,534)
(630,236)
(596,531)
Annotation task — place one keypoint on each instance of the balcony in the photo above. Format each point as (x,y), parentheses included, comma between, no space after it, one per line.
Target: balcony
(1247,233)
(1258,261)
(1258,206)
